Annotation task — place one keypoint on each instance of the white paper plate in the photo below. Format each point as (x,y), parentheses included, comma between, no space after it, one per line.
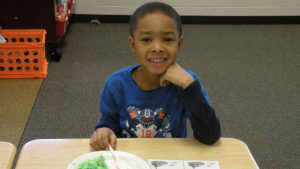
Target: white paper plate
(132,160)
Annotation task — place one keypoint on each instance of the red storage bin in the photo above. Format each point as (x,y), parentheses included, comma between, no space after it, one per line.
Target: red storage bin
(61,26)
(62,18)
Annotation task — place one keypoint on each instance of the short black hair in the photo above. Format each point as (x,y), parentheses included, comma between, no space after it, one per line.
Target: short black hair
(154,7)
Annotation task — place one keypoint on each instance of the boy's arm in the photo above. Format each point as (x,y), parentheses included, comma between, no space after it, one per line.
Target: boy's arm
(203,119)
(108,108)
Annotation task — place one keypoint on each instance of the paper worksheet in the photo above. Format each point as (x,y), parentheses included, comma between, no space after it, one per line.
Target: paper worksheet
(2,39)
(182,164)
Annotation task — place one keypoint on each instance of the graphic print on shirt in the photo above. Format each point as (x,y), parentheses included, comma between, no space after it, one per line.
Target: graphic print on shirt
(147,123)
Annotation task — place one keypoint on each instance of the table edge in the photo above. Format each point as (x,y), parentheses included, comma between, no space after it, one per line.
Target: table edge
(39,140)
(12,153)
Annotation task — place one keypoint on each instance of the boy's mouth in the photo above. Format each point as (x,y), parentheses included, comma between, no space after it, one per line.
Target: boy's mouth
(157,61)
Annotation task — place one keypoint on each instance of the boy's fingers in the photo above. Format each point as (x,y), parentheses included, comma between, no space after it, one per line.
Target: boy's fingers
(113,140)
(162,81)
(101,138)
(93,141)
(104,138)
(98,140)
(165,83)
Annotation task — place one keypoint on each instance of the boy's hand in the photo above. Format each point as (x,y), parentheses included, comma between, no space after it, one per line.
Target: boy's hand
(102,137)
(176,75)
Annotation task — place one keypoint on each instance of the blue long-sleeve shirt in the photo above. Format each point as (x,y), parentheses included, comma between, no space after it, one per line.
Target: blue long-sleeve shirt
(132,112)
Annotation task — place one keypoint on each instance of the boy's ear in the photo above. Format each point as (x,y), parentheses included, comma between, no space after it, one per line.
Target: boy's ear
(180,42)
(131,44)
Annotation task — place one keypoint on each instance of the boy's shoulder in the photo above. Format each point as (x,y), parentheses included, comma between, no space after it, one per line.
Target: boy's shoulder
(120,75)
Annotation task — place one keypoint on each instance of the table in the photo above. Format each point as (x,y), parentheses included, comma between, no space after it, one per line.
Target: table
(7,154)
(58,153)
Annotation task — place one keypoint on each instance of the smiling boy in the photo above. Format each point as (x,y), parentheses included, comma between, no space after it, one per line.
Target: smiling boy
(156,97)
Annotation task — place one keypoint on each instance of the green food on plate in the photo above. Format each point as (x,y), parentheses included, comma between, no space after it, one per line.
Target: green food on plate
(95,163)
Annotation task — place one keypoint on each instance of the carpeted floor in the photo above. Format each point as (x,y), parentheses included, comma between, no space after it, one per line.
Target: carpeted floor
(250,72)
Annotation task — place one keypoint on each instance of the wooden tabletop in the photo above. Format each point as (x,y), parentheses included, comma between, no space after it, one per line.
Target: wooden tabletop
(58,153)
(7,154)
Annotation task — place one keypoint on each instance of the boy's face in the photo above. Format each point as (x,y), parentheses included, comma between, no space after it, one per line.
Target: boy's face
(156,42)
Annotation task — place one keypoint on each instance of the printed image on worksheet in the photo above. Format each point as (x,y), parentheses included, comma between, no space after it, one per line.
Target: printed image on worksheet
(182,164)
(201,164)
(165,164)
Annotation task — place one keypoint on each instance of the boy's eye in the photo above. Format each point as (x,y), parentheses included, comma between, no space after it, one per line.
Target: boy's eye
(168,39)
(146,39)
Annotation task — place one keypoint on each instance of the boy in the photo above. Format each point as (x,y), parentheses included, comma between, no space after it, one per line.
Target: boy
(155,98)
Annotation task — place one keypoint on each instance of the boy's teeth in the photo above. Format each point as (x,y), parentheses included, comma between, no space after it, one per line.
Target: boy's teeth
(157,60)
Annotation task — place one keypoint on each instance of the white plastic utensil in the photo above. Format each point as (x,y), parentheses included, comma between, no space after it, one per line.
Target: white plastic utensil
(119,163)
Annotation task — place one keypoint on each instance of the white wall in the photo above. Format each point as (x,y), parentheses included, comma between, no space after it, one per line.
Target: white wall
(195,7)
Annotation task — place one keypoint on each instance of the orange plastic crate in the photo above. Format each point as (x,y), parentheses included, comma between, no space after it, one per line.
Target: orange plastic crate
(23,56)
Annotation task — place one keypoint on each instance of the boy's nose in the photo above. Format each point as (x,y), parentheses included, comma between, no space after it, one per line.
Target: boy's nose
(157,47)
